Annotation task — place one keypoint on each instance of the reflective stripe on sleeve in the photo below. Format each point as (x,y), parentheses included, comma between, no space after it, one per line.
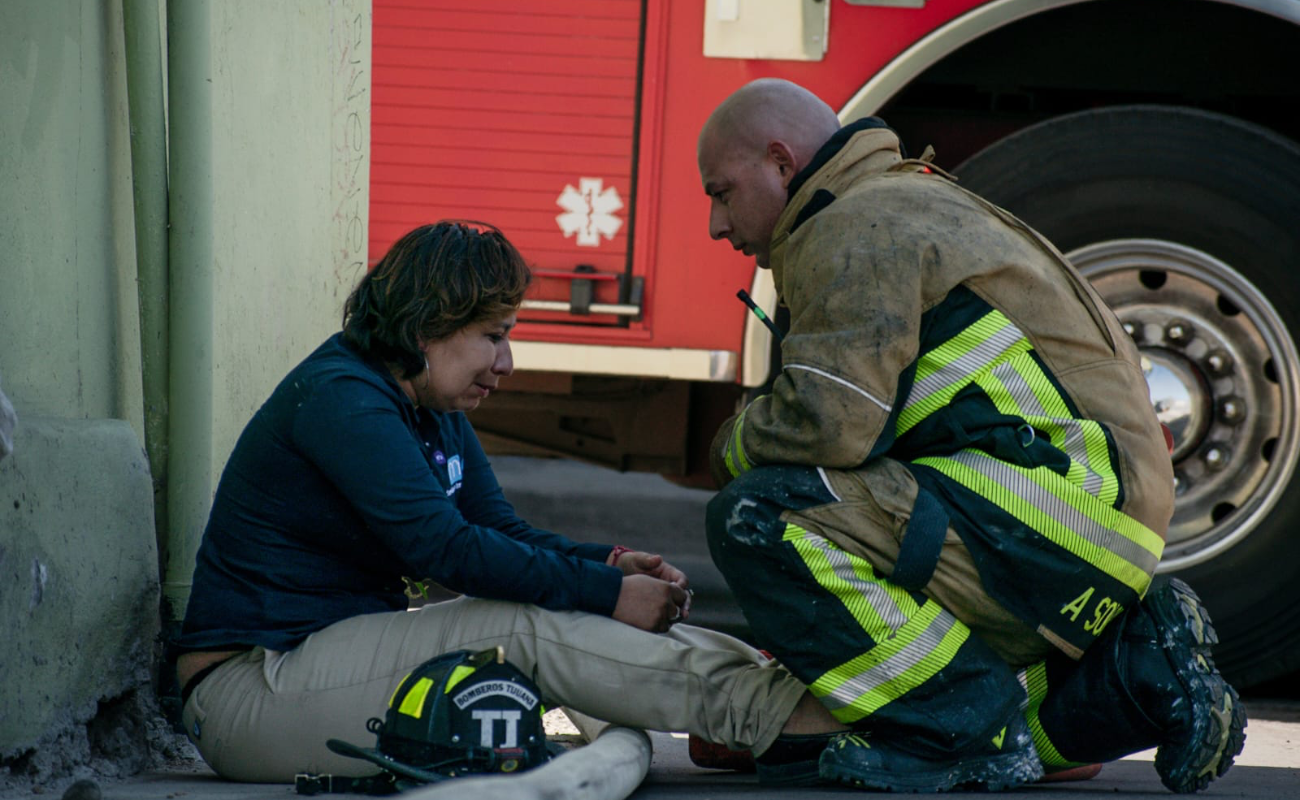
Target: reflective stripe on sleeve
(735,453)
(837,379)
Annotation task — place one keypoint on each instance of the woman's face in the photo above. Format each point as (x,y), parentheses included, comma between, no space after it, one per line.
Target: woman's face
(465,367)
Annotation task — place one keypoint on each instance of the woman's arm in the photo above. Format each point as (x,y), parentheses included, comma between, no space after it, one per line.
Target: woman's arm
(482,502)
(354,432)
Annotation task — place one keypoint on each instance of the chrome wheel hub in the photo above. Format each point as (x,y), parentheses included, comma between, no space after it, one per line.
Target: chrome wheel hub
(1222,372)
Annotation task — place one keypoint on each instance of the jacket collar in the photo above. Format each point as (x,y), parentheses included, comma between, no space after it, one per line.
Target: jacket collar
(863,148)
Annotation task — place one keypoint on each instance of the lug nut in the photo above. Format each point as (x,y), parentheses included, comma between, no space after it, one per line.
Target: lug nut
(1132,330)
(1218,362)
(1180,483)
(1179,333)
(1215,458)
(1232,409)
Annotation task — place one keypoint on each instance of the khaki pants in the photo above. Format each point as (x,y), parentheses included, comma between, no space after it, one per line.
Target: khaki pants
(265,715)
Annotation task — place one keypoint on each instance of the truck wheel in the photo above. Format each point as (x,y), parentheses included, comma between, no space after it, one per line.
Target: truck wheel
(1187,224)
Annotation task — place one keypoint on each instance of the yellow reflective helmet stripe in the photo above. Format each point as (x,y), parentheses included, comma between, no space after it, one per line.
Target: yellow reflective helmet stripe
(1096,532)
(460,673)
(915,640)
(413,704)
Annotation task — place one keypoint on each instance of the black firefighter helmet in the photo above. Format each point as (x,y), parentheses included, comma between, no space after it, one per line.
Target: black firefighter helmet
(460,713)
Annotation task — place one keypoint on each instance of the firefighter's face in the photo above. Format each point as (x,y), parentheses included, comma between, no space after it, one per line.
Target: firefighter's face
(747,192)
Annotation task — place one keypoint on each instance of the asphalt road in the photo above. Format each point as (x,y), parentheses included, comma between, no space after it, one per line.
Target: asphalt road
(646,512)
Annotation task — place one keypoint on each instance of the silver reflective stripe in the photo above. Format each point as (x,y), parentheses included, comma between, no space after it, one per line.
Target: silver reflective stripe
(841,381)
(826,481)
(873,678)
(1067,515)
(876,595)
(961,370)
(1073,446)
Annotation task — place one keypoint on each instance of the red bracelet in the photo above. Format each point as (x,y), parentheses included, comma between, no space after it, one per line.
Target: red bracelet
(615,554)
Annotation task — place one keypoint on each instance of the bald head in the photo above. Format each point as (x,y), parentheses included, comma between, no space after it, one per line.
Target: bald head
(768,110)
(750,150)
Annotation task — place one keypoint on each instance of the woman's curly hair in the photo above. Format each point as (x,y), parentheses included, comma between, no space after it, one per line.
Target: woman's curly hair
(432,282)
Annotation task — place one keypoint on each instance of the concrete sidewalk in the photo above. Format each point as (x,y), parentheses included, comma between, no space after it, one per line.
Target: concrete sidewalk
(1269,768)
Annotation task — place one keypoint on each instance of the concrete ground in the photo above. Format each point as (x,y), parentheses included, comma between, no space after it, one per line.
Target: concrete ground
(1269,768)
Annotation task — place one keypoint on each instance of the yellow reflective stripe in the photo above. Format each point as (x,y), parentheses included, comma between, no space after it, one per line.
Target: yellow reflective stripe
(912,656)
(1034,679)
(1022,389)
(915,640)
(947,369)
(880,608)
(413,703)
(1094,439)
(1108,539)
(735,453)
(393,698)
(458,674)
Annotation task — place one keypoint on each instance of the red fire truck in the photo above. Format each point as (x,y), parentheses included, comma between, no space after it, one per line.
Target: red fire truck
(1154,141)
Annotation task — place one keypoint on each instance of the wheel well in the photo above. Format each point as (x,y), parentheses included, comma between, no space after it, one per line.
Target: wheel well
(1209,55)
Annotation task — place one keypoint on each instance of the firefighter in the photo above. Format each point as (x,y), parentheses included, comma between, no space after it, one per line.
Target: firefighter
(945,515)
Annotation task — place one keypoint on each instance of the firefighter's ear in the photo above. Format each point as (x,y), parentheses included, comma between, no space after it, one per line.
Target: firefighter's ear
(783,157)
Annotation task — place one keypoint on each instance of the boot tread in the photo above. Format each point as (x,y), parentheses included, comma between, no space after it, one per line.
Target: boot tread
(1188,762)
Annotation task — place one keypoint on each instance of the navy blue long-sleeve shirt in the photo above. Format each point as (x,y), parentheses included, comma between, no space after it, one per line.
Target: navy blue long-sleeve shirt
(337,488)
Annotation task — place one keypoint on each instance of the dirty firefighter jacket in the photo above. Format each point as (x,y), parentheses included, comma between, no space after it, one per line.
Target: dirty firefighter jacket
(931,327)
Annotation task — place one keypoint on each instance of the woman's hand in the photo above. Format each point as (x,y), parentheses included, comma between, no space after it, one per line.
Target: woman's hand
(635,562)
(650,603)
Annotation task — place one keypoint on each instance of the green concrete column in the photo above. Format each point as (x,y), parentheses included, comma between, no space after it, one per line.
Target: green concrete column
(144,81)
(190,482)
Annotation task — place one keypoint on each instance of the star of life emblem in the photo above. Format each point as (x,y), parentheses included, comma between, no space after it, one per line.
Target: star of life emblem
(589,211)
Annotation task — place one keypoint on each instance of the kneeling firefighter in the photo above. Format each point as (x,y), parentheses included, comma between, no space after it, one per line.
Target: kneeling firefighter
(945,516)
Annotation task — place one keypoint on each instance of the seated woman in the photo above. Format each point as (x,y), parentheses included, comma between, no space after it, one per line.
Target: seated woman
(360,469)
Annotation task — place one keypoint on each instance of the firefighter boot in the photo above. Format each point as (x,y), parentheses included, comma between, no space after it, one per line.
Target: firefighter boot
(1007,758)
(1200,743)
(1150,682)
(964,727)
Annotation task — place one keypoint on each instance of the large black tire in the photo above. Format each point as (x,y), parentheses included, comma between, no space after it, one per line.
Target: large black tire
(1206,211)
